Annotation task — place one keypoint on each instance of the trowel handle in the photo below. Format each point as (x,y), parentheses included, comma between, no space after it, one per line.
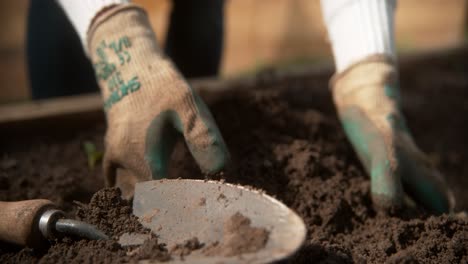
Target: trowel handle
(19,221)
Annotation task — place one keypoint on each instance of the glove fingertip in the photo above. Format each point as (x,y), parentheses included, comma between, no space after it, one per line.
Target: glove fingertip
(158,166)
(161,138)
(386,204)
(211,159)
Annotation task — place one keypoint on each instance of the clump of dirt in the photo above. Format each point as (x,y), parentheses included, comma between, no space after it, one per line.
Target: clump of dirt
(186,248)
(239,237)
(110,213)
(151,250)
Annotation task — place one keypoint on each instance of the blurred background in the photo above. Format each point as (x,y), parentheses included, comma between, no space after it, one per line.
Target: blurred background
(259,34)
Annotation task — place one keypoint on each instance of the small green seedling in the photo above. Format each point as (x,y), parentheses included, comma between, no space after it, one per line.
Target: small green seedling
(92,153)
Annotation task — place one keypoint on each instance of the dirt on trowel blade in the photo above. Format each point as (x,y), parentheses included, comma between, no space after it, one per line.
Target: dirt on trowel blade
(239,237)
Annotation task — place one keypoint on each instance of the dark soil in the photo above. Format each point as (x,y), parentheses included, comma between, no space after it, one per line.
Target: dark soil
(110,213)
(285,139)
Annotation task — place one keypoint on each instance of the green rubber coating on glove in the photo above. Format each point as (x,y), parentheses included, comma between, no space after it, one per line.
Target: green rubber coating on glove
(370,147)
(415,177)
(425,192)
(392,92)
(215,157)
(162,135)
(160,141)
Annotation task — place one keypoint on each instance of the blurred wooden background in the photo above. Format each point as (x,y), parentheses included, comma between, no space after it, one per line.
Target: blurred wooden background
(258,33)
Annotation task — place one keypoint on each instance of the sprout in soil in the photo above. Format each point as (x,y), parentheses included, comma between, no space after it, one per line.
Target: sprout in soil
(92,153)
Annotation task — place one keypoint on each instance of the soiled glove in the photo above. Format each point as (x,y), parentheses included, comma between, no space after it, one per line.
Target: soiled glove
(367,99)
(147,102)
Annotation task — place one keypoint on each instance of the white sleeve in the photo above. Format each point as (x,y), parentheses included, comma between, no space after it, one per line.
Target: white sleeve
(359,28)
(82,12)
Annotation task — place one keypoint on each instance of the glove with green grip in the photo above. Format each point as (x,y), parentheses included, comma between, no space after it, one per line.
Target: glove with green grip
(367,99)
(147,102)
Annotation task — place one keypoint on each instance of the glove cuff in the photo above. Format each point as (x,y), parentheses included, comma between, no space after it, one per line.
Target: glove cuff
(109,14)
(371,83)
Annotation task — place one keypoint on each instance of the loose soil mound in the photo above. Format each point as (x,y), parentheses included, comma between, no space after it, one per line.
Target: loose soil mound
(112,215)
(284,138)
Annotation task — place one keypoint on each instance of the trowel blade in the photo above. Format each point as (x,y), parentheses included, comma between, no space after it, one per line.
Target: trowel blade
(177,210)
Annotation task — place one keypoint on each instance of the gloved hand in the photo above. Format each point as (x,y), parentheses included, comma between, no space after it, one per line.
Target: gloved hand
(367,99)
(147,102)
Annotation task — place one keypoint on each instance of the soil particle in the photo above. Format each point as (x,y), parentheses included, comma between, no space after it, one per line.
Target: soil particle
(186,248)
(148,216)
(202,201)
(239,237)
(220,197)
(152,250)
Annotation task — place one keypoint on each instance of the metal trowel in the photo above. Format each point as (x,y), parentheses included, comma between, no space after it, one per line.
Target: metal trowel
(177,210)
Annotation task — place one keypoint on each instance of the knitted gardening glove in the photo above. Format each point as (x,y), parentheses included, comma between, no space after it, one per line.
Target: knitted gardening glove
(367,99)
(146,102)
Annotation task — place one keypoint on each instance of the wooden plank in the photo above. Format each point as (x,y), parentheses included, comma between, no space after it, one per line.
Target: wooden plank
(50,108)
